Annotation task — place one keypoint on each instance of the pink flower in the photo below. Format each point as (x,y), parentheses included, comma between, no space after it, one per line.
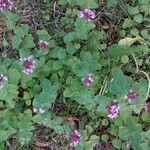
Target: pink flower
(6,4)
(28,64)
(131,96)
(74,138)
(2,80)
(87,80)
(38,110)
(88,14)
(43,44)
(148,106)
(113,110)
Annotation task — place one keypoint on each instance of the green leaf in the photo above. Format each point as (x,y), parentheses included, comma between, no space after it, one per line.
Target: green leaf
(25,128)
(5,96)
(6,130)
(47,96)
(120,83)
(133,10)
(28,42)
(10,24)
(147,134)
(12,90)
(105,122)
(43,35)
(112,3)
(86,56)
(146,116)
(143,1)
(57,65)
(23,52)
(16,40)
(7,62)
(123,133)
(52,121)
(62,2)
(145,8)
(61,53)
(2,144)
(138,18)
(3,69)
(125,59)
(70,48)
(141,88)
(116,51)
(87,3)
(83,27)
(128,23)
(104,137)
(69,37)
(134,32)
(14,76)
(21,31)
(11,19)
(117,143)
(145,34)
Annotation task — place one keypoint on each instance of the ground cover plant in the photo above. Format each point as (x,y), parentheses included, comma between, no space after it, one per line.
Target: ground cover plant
(75,75)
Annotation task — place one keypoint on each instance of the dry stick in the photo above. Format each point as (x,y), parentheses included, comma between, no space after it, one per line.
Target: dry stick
(148,79)
(103,85)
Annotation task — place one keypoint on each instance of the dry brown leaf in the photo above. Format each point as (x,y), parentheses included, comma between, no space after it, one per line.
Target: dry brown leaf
(42,144)
(72,122)
(70,118)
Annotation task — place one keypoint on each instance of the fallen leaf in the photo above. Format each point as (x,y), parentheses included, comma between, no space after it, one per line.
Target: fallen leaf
(42,144)
(72,122)
(129,41)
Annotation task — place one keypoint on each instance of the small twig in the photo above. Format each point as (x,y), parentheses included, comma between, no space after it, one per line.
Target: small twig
(148,79)
(54,8)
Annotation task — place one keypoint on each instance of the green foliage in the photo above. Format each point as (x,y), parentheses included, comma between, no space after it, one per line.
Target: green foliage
(25,128)
(52,121)
(47,96)
(11,19)
(6,130)
(117,51)
(120,83)
(77,48)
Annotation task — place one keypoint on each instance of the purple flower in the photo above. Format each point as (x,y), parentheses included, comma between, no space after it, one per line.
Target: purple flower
(2,80)
(87,80)
(113,110)
(43,44)
(38,110)
(6,4)
(74,138)
(131,95)
(148,106)
(88,14)
(28,64)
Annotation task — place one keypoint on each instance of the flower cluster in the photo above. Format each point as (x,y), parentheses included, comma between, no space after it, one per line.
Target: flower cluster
(74,138)
(88,14)
(87,80)
(131,96)
(2,80)
(6,4)
(43,44)
(38,110)
(113,110)
(28,64)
